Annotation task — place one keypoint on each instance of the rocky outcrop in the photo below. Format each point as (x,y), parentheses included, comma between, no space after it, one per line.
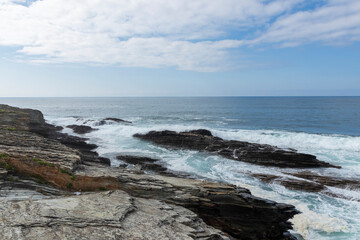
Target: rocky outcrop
(260,154)
(14,188)
(112,120)
(81,129)
(146,164)
(291,183)
(14,119)
(151,206)
(30,146)
(98,216)
(229,208)
(331,181)
(312,182)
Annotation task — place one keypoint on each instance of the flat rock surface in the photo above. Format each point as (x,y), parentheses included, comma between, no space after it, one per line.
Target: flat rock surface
(260,154)
(229,208)
(98,216)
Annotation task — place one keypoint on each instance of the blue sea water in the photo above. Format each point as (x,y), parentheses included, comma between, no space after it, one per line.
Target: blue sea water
(328,127)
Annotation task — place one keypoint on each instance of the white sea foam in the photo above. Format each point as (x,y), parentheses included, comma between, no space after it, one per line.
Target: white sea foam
(293,139)
(308,221)
(320,215)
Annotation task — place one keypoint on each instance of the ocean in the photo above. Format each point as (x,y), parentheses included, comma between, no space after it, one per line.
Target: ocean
(328,127)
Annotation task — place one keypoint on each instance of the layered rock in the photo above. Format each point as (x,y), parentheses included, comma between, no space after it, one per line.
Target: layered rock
(14,119)
(30,146)
(312,182)
(37,151)
(229,208)
(260,154)
(98,216)
(146,164)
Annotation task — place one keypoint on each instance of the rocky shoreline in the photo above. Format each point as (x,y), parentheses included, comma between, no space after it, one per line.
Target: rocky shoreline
(259,154)
(55,186)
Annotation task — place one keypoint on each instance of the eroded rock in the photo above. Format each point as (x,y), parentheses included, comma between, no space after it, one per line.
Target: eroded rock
(312,182)
(81,129)
(146,164)
(226,207)
(98,216)
(229,208)
(260,154)
(14,119)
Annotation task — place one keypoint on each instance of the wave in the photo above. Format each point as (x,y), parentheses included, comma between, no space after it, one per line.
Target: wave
(321,215)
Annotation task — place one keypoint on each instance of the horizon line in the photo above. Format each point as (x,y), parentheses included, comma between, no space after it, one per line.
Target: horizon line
(183,96)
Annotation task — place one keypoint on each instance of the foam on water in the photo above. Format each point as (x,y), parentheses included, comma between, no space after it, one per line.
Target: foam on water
(322,217)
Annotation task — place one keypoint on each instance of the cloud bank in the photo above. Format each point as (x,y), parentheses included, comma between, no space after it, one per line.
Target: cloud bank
(197,35)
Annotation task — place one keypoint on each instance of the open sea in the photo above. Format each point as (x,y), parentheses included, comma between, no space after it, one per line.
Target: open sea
(328,127)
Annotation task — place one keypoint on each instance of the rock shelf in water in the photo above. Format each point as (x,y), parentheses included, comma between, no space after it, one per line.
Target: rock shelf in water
(260,154)
(81,129)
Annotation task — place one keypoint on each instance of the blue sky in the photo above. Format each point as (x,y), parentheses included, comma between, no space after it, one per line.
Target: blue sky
(179,48)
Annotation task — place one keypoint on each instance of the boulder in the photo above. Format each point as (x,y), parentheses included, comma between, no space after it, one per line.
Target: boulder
(81,129)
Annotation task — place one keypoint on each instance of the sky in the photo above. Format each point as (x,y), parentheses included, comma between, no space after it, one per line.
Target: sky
(93,48)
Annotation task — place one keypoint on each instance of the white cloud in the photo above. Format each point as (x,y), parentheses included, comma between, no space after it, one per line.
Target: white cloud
(337,22)
(185,34)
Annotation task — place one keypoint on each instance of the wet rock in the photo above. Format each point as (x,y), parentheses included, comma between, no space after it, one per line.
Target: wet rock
(112,120)
(106,215)
(146,164)
(312,182)
(260,154)
(294,184)
(331,181)
(3,173)
(202,132)
(81,129)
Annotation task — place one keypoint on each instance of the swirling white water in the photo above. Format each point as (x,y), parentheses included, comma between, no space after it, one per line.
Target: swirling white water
(322,217)
(332,137)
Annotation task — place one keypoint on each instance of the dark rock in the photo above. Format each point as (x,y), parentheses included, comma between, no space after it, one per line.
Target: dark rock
(136,159)
(331,181)
(291,183)
(146,164)
(311,182)
(117,120)
(202,132)
(81,129)
(260,154)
